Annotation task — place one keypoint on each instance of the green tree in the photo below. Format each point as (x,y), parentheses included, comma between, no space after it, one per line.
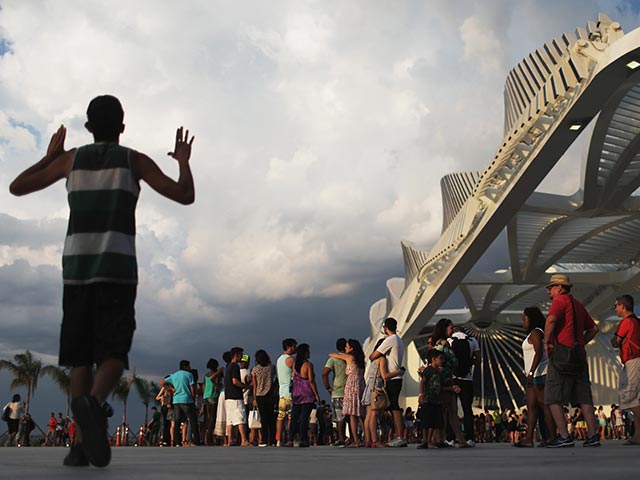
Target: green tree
(26,371)
(147,391)
(121,392)
(61,376)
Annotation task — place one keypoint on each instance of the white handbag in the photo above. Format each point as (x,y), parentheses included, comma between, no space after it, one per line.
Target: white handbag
(254,419)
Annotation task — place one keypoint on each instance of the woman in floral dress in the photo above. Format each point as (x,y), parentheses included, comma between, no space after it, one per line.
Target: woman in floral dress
(353,389)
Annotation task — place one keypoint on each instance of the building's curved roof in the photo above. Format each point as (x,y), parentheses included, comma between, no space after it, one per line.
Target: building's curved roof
(550,97)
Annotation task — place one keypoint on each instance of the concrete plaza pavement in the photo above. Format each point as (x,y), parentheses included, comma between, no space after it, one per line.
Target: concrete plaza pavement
(498,461)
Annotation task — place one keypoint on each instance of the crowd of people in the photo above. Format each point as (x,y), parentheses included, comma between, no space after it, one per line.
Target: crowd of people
(278,403)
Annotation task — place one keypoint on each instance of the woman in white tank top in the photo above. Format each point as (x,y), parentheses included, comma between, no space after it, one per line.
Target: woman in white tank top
(535,368)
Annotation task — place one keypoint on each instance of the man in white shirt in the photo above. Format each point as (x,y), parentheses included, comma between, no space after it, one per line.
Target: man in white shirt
(393,348)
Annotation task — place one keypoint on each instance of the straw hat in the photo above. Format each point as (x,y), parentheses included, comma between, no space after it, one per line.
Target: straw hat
(559,279)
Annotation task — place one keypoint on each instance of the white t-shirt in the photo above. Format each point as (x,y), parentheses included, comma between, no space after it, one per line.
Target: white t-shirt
(393,348)
(474,346)
(246,393)
(16,410)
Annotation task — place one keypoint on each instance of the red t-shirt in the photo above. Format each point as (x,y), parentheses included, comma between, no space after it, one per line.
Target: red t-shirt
(629,331)
(562,310)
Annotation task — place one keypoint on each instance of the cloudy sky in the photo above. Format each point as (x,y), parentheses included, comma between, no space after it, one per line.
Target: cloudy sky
(322,131)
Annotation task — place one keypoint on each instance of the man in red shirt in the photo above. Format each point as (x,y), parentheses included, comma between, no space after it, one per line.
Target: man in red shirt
(564,389)
(627,338)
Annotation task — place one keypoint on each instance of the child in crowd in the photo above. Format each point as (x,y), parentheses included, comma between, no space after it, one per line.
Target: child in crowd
(431,388)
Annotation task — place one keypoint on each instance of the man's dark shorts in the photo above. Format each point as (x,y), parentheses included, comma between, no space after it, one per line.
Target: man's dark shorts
(98,323)
(567,389)
(393,390)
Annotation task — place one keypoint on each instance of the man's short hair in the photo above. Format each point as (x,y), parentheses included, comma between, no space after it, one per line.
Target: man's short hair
(626,301)
(185,364)
(390,324)
(226,357)
(341,344)
(236,351)
(105,116)
(289,342)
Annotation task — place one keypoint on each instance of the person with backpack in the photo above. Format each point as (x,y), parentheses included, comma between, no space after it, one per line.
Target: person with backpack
(627,339)
(448,397)
(467,351)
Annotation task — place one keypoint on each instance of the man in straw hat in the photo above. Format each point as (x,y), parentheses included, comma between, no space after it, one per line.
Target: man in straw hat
(568,324)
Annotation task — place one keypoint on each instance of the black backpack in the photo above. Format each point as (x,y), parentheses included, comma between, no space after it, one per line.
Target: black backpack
(462,351)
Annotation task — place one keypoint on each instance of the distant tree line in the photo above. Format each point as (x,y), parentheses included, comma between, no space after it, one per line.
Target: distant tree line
(26,371)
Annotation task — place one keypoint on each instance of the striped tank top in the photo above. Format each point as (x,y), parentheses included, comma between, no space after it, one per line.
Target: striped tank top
(102,194)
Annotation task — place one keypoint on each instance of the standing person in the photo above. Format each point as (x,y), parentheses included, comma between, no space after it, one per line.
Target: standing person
(183,401)
(165,397)
(263,381)
(627,339)
(51,430)
(212,389)
(16,409)
(99,265)
(303,395)
(234,398)
(568,324)
(336,389)
(467,351)
(377,375)
(354,388)
(220,429)
(247,396)
(284,367)
(393,348)
(27,425)
(441,333)
(535,367)
(153,427)
(430,400)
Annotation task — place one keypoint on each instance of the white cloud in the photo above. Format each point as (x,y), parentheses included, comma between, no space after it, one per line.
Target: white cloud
(322,132)
(481,45)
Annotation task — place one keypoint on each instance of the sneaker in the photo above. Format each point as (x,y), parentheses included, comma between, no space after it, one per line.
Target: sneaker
(262,444)
(593,441)
(92,422)
(423,446)
(450,443)
(397,442)
(75,457)
(338,444)
(471,443)
(560,442)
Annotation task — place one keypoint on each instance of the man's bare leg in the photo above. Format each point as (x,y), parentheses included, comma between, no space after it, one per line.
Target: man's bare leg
(106,378)
(558,416)
(398,423)
(590,417)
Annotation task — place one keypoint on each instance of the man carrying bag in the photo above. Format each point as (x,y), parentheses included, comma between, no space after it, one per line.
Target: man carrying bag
(568,328)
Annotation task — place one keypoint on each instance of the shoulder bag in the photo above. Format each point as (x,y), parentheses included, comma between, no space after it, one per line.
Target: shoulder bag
(379,396)
(569,360)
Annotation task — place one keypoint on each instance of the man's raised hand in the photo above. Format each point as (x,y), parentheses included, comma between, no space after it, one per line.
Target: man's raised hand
(56,144)
(182,149)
